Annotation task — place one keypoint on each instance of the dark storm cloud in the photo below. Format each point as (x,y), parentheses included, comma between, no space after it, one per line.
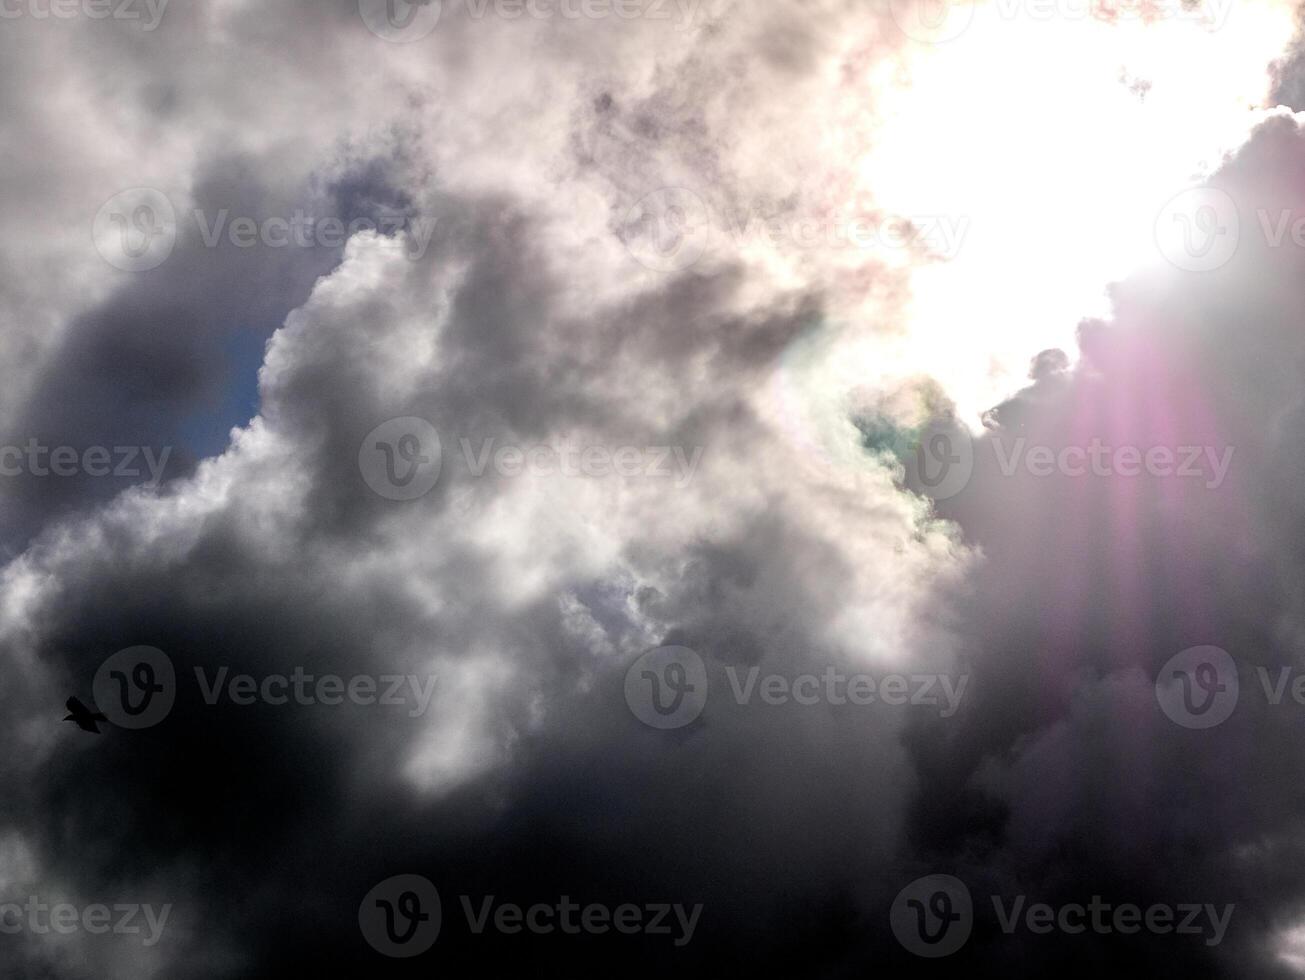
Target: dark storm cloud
(593,806)
(151,364)
(136,370)
(1064,780)
(1288,75)
(291,609)
(231,597)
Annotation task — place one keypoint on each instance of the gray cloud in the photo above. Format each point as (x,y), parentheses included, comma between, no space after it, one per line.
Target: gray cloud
(530,321)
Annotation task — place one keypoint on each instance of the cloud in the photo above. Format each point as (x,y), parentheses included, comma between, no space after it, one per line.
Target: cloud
(763,526)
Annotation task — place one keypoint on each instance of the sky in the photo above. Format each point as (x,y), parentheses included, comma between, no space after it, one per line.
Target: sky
(622,487)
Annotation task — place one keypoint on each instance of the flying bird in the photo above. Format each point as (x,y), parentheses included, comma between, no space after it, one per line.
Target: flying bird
(83,716)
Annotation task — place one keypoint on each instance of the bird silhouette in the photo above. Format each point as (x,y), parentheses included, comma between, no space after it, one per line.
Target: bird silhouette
(83,716)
